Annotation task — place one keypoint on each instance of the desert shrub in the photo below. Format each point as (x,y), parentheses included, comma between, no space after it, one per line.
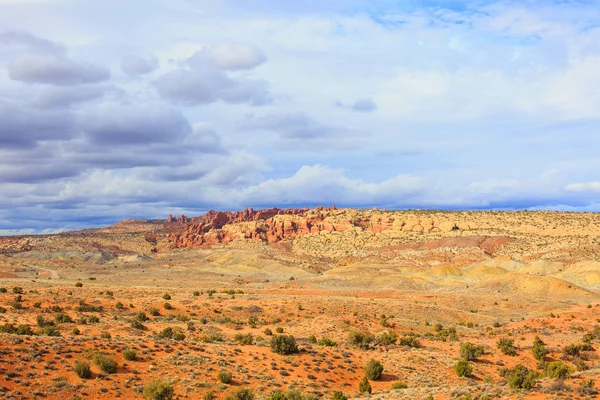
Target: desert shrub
(82,369)
(196,293)
(284,344)
(279,329)
(241,394)
(538,349)
(244,339)
(410,341)
(210,395)
(41,322)
(3,290)
(361,340)
(93,320)
(364,386)
(167,306)
(37,304)
(78,284)
(558,370)
(312,339)
(519,377)
(62,318)
(119,305)
(470,352)
(387,338)
(463,368)
(136,324)
(2,310)
(158,390)
(142,317)
(17,305)
(17,290)
(76,331)
(154,312)
(277,395)
(506,346)
(326,342)
(373,369)
(167,296)
(171,333)
(225,377)
(337,395)
(49,331)
(130,354)
(106,363)
(105,335)
(399,385)
(587,387)
(211,338)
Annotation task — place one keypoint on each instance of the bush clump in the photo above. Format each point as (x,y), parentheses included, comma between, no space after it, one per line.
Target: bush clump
(326,342)
(519,377)
(463,368)
(387,338)
(337,395)
(470,352)
(106,363)
(241,394)
(284,344)
(410,341)
(507,346)
(364,386)
(130,354)
(539,349)
(361,340)
(82,369)
(373,369)
(225,377)
(244,339)
(557,370)
(158,390)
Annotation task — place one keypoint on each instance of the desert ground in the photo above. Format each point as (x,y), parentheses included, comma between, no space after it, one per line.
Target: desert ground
(209,307)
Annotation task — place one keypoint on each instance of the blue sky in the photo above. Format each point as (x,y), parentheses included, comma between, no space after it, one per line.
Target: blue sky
(115,109)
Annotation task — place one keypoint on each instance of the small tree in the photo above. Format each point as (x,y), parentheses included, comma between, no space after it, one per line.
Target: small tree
(470,352)
(284,344)
(373,369)
(463,368)
(519,377)
(506,346)
(225,377)
(538,349)
(364,386)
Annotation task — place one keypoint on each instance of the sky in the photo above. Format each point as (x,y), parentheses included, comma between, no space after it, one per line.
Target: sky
(142,108)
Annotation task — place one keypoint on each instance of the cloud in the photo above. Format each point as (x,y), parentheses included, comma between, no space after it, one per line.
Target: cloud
(206,85)
(57,97)
(228,56)
(27,41)
(584,187)
(296,126)
(134,65)
(117,124)
(360,105)
(55,70)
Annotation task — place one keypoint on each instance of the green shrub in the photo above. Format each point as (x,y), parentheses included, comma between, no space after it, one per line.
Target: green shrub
(470,352)
(49,331)
(557,370)
(373,369)
(279,329)
(82,369)
(196,293)
(538,349)
(519,377)
(387,338)
(142,317)
(277,395)
(225,377)
(106,363)
(337,395)
(241,394)
(399,385)
(17,290)
(167,296)
(312,339)
(326,342)
(361,340)
(105,335)
(119,305)
(168,306)
(79,284)
(410,341)
(135,324)
(93,319)
(506,346)
(62,318)
(268,332)
(154,312)
(76,331)
(284,344)
(463,368)
(158,390)
(244,339)
(130,354)
(364,386)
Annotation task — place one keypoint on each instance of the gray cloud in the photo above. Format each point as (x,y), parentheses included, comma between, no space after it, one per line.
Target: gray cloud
(22,127)
(360,105)
(229,56)
(56,97)
(134,65)
(27,41)
(292,126)
(55,69)
(208,85)
(116,124)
